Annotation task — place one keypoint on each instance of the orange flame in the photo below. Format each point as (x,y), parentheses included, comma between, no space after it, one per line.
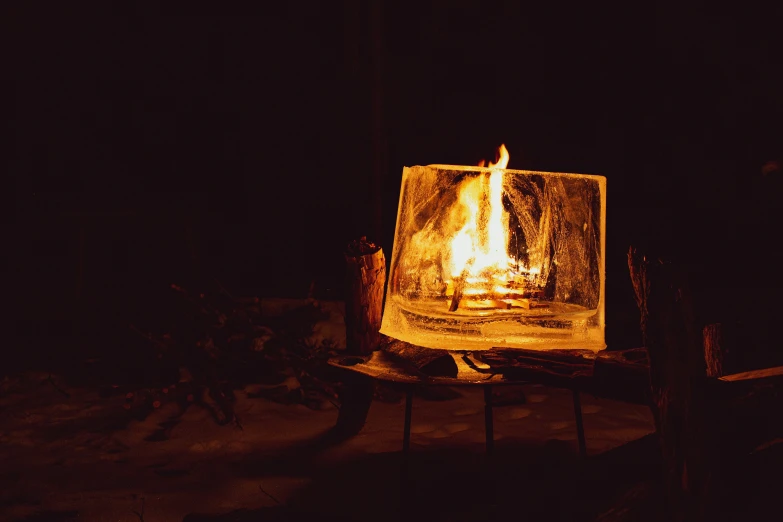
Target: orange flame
(501,161)
(481,244)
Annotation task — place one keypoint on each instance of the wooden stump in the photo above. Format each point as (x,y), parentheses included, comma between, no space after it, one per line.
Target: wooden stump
(714,349)
(707,425)
(677,375)
(365,280)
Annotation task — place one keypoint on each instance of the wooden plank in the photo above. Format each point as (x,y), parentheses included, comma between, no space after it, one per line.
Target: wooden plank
(763,373)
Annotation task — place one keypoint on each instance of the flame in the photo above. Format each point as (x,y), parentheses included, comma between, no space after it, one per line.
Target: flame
(480,246)
(502,159)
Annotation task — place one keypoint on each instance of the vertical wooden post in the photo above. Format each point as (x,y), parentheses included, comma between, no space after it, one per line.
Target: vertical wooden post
(677,373)
(707,430)
(714,349)
(364,286)
(406,434)
(489,424)
(580,428)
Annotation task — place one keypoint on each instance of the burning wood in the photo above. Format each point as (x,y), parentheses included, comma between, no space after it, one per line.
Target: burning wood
(503,304)
(488,277)
(532,303)
(478,296)
(488,304)
(459,285)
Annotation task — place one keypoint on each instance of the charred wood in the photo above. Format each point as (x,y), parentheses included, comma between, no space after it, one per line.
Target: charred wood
(427,361)
(459,286)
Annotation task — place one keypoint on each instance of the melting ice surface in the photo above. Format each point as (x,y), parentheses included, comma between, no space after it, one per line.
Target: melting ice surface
(454,285)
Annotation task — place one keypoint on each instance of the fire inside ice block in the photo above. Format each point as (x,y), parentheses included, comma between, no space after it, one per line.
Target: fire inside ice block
(486,257)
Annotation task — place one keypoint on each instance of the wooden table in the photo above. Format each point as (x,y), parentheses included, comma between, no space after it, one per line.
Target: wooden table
(381,367)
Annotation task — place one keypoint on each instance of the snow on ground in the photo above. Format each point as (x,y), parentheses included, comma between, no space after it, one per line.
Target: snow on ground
(332,328)
(85,455)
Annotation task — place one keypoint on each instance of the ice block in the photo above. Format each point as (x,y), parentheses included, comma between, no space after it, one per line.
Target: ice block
(487,257)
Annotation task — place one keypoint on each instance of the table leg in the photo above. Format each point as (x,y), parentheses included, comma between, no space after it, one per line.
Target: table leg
(488,422)
(406,436)
(580,429)
(355,402)
(405,484)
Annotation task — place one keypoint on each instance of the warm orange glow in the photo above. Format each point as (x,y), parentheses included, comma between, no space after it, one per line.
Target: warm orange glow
(493,256)
(479,250)
(502,159)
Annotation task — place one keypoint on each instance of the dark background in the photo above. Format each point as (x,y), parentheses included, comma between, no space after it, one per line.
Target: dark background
(249,148)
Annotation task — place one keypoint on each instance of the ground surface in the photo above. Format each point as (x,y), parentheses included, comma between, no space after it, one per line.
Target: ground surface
(86,457)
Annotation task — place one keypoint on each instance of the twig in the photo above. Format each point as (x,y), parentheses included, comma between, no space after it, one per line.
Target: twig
(459,285)
(265,492)
(140,515)
(51,381)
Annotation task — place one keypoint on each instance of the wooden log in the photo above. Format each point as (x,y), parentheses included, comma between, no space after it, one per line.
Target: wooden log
(532,303)
(677,375)
(459,285)
(577,357)
(714,349)
(560,368)
(707,426)
(365,280)
(487,304)
(428,361)
(775,372)
(620,375)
